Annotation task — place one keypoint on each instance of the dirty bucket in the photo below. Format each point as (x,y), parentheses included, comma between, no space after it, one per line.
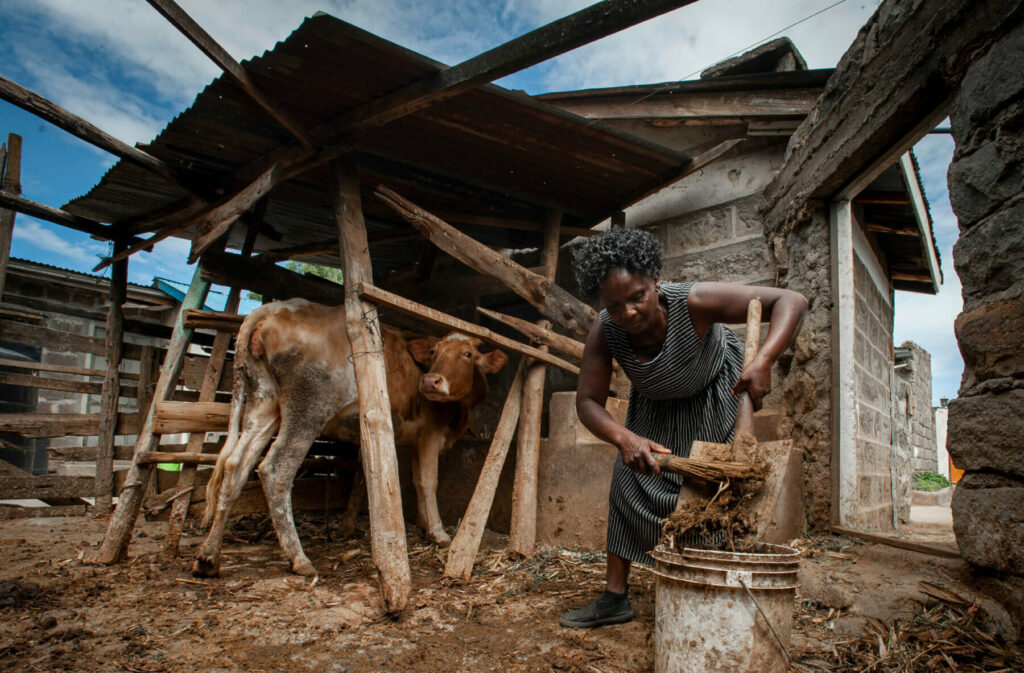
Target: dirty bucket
(706,619)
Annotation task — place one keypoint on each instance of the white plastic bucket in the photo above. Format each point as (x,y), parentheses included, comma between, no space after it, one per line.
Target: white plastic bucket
(706,621)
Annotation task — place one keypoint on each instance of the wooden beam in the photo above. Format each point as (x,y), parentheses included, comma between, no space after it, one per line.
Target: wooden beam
(791,103)
(62,217)
(111,386)
(878,197)
(377,435)
(433,316)
(912,277)
(941,549)
(464,546)
(76,126)
(64,385)
(170,418)
(522,536)
(46,487)
(62,369)
(550,299)
(214,320)
(558,37)
(58,340)
(62,425)
(207,393)
(564,344)
(10,188)
(115,543)
(892,231)
(199,37)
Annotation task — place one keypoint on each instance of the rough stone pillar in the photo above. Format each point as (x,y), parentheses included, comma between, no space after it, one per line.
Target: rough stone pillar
(986,423)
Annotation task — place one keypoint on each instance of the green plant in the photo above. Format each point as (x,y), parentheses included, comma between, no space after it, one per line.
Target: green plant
(929,481)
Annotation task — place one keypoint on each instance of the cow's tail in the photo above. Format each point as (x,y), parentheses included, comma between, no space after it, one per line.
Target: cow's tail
(239,395)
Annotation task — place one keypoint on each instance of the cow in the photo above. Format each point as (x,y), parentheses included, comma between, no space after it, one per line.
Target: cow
(294,377)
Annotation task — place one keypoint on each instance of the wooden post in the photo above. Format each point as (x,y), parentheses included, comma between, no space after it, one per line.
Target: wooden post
(111,386)
(377,436)
(119,532)
(207,393)
(523,533)
(462,553)
(11,184)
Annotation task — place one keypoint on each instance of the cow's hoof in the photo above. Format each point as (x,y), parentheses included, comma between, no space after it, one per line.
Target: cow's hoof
(205,567)
(440,538)
(303,567)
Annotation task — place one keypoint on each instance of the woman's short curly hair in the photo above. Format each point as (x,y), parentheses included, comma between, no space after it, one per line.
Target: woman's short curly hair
(619,248)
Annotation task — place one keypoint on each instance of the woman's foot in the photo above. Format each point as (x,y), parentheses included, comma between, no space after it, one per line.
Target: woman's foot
(610,608)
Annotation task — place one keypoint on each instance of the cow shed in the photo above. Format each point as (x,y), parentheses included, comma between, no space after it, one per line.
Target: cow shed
(334,142)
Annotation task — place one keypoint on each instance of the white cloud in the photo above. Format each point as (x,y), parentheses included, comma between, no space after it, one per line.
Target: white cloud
(57,250)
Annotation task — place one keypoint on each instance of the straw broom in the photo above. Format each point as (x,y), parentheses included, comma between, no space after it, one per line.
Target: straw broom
(710,470)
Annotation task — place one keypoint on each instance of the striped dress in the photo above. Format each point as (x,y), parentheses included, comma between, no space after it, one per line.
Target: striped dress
(682,395)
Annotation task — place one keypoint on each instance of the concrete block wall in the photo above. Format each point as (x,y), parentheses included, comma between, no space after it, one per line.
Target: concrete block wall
(877,456)
(986,421)
(915,376)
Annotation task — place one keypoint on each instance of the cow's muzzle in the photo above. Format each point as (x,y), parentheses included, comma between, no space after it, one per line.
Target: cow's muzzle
(434,387)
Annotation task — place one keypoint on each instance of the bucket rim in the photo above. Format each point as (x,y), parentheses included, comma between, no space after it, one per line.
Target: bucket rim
(784,554)
(751,587)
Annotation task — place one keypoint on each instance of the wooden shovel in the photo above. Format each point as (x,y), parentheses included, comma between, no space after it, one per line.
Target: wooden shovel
(778,510)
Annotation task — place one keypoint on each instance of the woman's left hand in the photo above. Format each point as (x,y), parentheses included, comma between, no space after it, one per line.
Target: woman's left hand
(755,379)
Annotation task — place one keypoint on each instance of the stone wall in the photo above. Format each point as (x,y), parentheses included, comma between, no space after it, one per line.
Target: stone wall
(986,422)
(914,371)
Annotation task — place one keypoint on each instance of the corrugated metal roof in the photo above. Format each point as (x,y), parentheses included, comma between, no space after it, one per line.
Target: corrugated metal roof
(488,151)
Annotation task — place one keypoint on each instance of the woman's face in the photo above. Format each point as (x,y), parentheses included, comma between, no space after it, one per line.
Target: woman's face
(631,300)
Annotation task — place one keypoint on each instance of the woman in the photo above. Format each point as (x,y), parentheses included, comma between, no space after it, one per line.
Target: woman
(685,370)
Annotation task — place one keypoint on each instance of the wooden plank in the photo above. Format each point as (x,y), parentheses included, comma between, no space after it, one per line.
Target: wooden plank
(789,103)
(111,394)
(59,340)
(10,187)
(199,37)
(377,437)
(45,487)
(173,417)
(11,512)
(61,369)
(522,536)
(551,300)
(222,322)
(58,116)
(58,216)
(433,316)
(944,550)
(466,543)
(115,543)
(64,385)
(557,37)
(62,425)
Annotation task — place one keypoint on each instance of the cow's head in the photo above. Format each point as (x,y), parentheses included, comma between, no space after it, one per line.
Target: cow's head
(453,363)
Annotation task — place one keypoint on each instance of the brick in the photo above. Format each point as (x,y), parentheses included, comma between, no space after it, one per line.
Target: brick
(986,432)
(991,339)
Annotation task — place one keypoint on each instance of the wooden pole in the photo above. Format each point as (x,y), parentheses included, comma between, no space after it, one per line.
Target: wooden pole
(377,437)
(523,531)
(111,386)
(119,532)
(467,540)
(11,186)
(541,335)
(207,393)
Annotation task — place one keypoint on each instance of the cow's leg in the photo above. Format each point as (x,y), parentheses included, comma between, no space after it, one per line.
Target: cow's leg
(260,424)
(425,479)
(277,472)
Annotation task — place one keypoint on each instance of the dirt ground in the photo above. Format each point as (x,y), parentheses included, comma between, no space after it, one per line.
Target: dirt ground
(144,616)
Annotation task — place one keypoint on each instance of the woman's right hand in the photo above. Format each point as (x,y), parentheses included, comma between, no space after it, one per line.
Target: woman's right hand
(638,453)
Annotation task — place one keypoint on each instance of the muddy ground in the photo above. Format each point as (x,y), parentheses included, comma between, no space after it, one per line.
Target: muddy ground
(144,616)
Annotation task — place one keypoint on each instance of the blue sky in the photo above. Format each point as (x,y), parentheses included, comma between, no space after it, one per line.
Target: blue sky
(121,66)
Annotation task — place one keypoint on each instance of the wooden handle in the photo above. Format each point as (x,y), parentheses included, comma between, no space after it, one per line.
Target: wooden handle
(745,410)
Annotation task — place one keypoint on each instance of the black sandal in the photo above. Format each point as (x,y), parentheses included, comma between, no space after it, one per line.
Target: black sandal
(594,614)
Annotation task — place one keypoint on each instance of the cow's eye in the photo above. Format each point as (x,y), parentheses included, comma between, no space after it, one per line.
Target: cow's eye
(467,354)
(432,351)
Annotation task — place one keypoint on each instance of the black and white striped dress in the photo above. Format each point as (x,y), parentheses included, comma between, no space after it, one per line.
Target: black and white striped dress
(682,395)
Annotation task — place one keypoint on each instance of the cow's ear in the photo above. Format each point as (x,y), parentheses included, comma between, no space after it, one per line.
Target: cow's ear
(420,349)
(492,362)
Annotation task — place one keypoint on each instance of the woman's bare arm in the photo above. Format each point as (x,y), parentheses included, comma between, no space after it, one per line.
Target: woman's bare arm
(727,303)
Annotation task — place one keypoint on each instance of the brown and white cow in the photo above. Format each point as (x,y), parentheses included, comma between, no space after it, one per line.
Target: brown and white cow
(294,377)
